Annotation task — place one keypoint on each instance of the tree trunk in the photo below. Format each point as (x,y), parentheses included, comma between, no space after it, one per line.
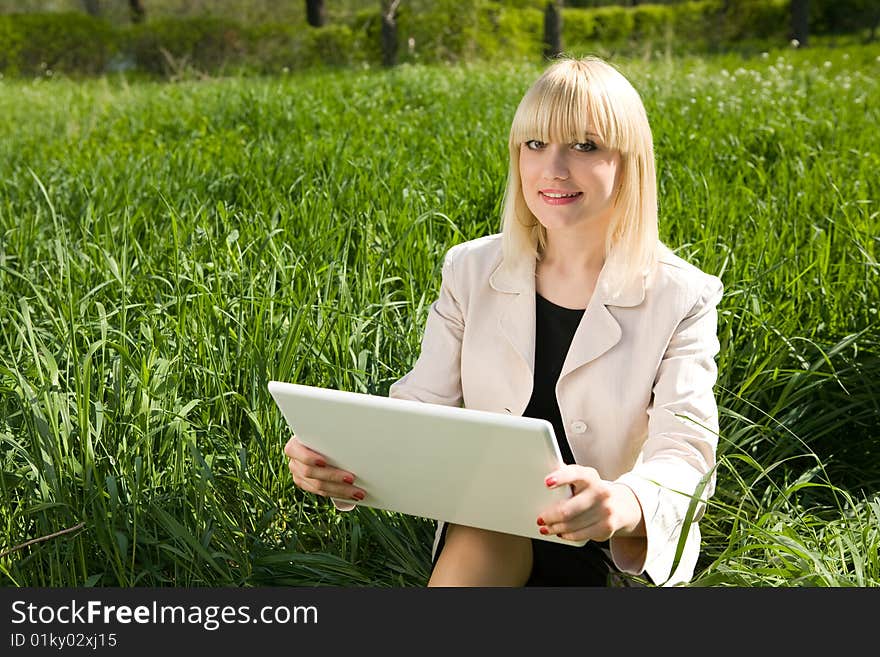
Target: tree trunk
(800,16)
(315,13)
(92,7)
(389,32)
(138,13)
(552,30)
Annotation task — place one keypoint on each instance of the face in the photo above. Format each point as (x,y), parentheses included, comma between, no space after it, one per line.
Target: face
(569,186)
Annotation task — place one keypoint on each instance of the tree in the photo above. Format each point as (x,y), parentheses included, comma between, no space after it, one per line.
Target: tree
(389,31)
(553,29)
(315,12)
(800,15)
(138,13)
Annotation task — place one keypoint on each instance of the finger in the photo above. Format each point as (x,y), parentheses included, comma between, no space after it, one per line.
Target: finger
(579,479)
(574,475)
(596,532)
(320,472)
(595,524)
(296,450)
(325,481)
(591,524)
(330,489)
(582,517)
(589,506)
(339,491)
(567,517)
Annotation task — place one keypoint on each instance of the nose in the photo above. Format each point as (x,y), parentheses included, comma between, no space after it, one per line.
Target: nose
(556,162)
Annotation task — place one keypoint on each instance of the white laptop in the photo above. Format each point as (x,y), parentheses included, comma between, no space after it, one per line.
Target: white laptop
(463,466)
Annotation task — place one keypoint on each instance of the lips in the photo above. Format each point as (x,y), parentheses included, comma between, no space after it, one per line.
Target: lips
(558,197)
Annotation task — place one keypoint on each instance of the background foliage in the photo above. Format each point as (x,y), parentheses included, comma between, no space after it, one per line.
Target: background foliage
(194,37)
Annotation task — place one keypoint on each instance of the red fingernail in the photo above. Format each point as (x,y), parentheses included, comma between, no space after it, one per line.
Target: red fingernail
(540,520)
(550,481)
(321,463)
(348,479)
(545,531)
(358,496)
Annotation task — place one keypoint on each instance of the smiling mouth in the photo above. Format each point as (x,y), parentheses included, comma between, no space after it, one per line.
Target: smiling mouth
(552,195)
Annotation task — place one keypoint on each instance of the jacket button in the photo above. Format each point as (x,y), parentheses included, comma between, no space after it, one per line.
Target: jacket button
(578,426)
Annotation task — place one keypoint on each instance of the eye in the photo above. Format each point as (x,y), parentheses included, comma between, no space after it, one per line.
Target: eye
(534,144)
(585,146)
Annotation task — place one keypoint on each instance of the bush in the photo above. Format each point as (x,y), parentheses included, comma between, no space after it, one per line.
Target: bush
(696,23)
(688,26)
(32,44)
(366,27)
(161,46)
(445,30)
(450,30)
(273,47)
(605,27)
(329,45)
(519,33)
(756,19)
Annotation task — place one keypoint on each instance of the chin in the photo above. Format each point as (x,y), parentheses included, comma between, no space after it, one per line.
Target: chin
(557,224)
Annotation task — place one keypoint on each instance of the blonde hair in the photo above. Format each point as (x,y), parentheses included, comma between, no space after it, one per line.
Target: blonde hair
(571,98)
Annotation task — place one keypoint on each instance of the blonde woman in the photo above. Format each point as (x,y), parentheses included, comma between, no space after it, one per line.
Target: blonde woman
(578,314)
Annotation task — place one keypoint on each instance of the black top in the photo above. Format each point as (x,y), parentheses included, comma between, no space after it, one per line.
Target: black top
(554,329)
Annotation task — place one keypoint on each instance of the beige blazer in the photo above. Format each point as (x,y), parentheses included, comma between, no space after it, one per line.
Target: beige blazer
(635,392)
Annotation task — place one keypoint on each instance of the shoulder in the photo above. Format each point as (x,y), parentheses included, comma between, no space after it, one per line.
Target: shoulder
(468,266)
(481,248)
(686,282)
(481,254)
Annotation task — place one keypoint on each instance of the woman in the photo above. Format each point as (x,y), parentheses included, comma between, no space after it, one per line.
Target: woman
(577,314)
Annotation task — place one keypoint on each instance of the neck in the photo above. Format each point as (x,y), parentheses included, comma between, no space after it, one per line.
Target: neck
(575,251)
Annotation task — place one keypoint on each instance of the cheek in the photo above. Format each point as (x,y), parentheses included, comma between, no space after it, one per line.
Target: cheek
(524,172)
(610,183)
(529,167)
(606,179)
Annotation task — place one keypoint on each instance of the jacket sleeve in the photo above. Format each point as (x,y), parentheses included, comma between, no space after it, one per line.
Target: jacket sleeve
(679,453)
(436,376)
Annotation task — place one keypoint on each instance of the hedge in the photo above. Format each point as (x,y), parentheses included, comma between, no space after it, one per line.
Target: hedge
(437,31)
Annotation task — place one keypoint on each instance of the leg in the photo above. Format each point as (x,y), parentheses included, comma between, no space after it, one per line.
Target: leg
(479,557)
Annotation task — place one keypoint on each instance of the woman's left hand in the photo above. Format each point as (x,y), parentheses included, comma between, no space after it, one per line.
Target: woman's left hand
(597,510)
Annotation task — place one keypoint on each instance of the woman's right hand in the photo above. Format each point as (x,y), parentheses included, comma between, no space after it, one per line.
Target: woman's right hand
(311,473)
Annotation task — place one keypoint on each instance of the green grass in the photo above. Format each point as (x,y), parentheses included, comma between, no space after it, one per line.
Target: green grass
(167,249)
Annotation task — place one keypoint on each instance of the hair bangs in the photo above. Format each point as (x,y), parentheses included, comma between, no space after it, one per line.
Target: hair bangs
(568,105)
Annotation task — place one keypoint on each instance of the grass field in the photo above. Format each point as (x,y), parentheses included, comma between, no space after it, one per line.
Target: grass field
(166,249)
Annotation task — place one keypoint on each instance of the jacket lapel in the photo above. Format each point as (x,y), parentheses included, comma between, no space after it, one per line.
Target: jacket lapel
(516,321)
(597,332)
